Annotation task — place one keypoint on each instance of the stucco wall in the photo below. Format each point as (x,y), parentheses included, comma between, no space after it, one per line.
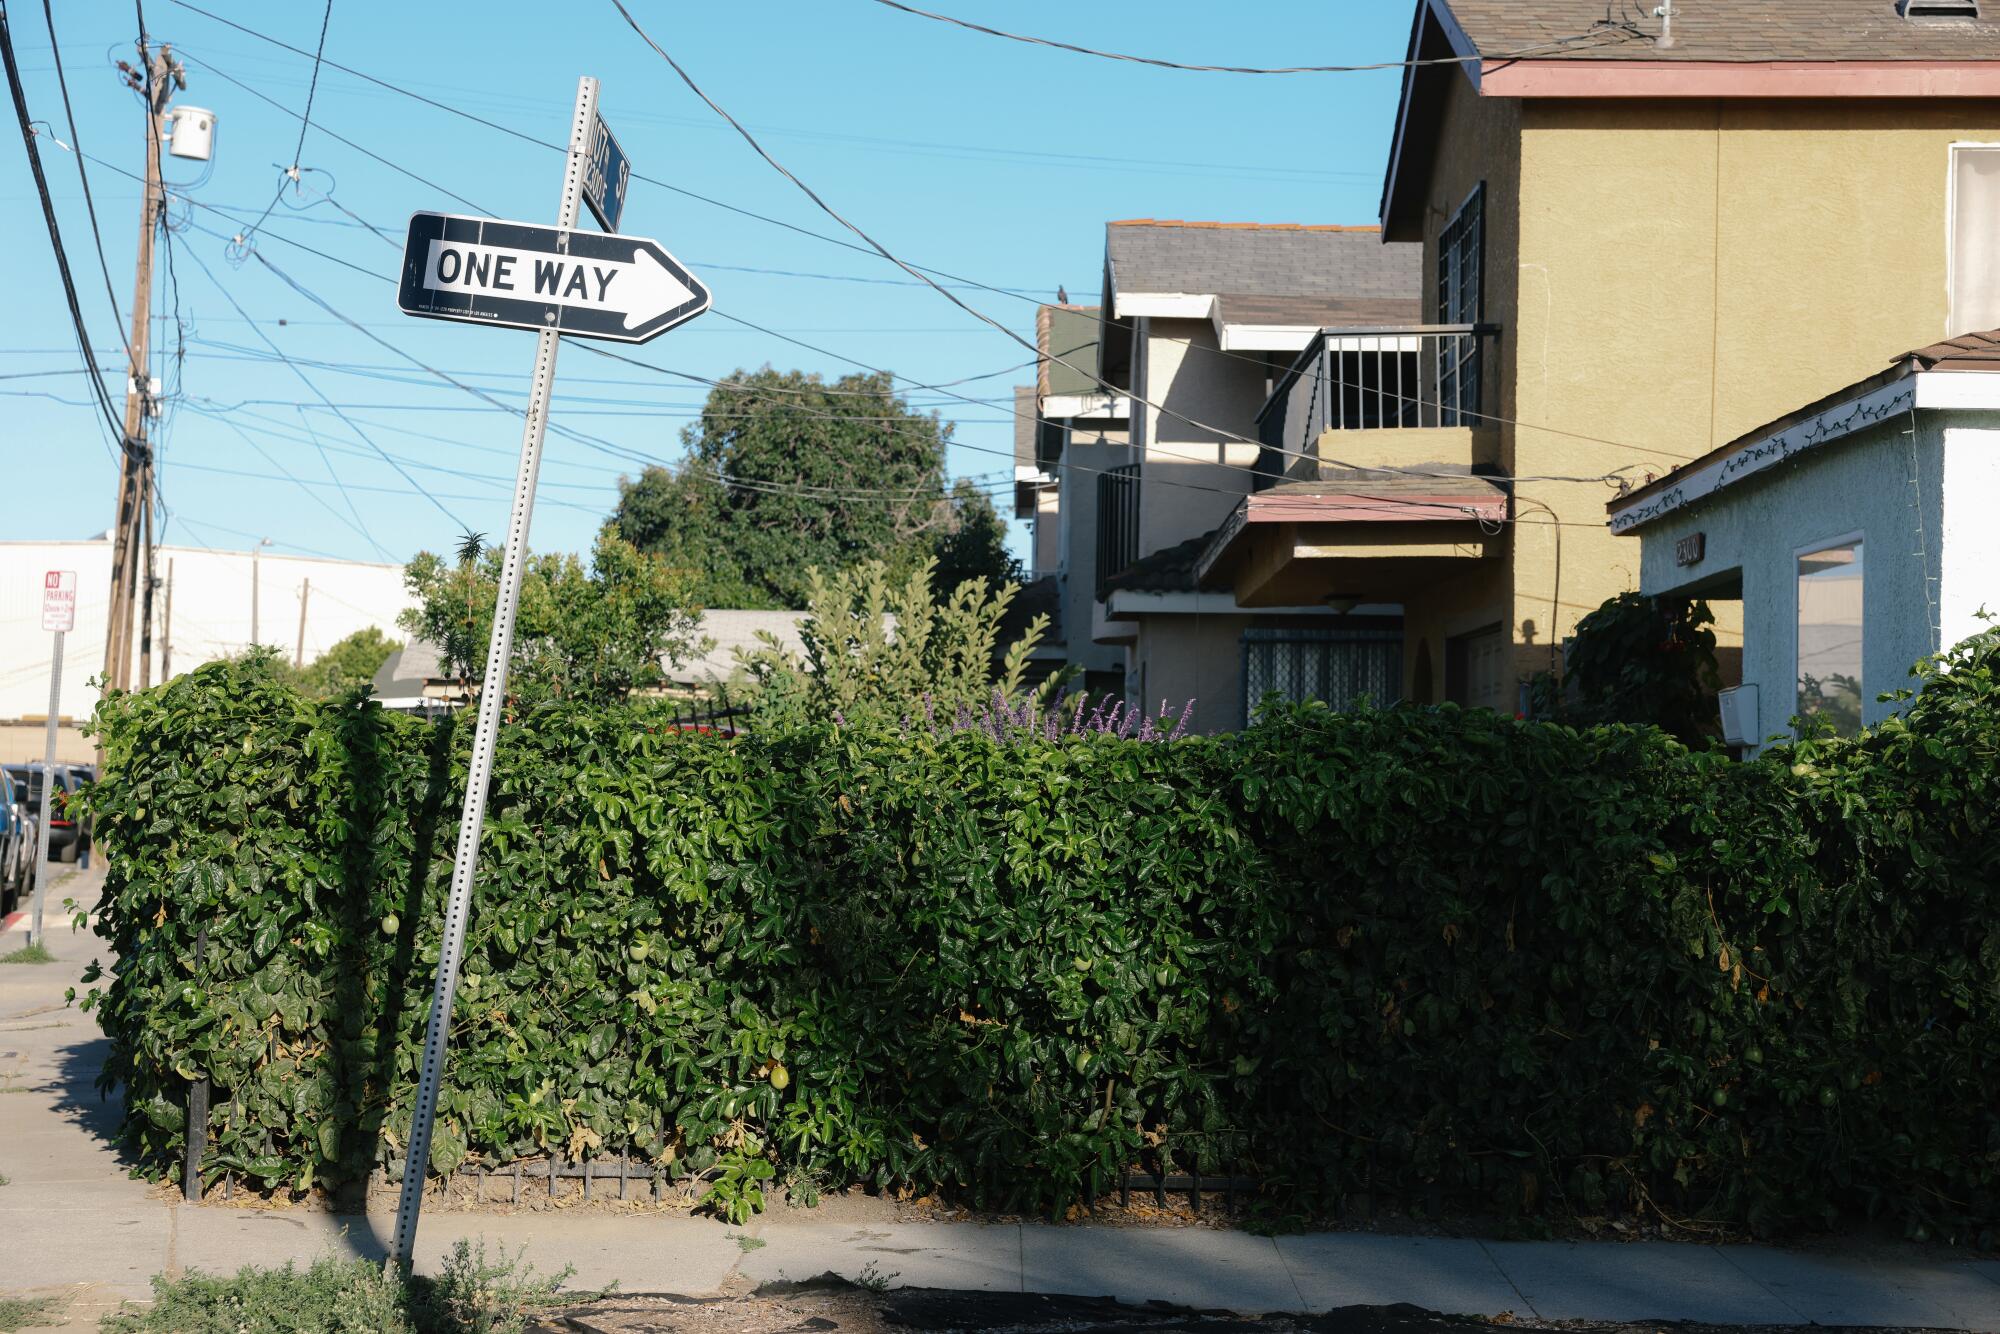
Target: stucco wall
(1883,484)
(1190,478)
(1045,555)
(1691,270)
(1479,144)
(1199,658)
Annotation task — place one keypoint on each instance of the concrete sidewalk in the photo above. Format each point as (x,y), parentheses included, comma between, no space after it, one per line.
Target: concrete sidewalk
(74,1222)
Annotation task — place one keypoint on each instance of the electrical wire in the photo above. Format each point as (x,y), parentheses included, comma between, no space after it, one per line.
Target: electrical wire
(83,177)
(111,418)
(980,315)
(1604,25)
(877,248)
(307,381)
(312,88)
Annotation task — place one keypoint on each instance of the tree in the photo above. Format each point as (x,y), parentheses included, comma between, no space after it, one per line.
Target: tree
(594,635)
(786,473)
(974,544)
(351,662)
(882,648)
(1643,660)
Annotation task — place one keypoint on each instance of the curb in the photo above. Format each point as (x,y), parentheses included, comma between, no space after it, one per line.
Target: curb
(13,920)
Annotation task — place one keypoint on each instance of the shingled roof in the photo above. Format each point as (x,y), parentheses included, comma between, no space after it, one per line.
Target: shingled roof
(1260,260)
(1967,352)
(1168,570)
(1724,30)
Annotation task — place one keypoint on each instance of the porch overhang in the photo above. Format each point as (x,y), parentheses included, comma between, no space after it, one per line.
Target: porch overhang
(1301,543)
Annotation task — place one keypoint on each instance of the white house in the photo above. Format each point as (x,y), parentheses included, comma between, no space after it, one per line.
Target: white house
(1858,533)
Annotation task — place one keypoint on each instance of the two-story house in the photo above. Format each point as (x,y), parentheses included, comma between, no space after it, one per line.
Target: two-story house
(1641,236)
(1151,407)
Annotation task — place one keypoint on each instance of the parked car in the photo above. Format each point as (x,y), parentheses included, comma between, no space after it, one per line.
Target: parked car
(66,838)
(17,843)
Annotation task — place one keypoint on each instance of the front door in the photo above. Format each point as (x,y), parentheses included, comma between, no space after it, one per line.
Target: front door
(1475,670)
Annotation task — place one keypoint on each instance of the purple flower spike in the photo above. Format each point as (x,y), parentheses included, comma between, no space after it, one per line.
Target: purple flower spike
(1053,728)
(1180,728)
(1125,728)
(1076,722)
(1146,730)
(839,718)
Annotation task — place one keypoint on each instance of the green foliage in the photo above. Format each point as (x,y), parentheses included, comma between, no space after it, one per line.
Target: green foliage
(471,1295)
(882,648)
(1643,660)
(973,545)
(770,491)
(1429,955)
(349,664)
(591,635)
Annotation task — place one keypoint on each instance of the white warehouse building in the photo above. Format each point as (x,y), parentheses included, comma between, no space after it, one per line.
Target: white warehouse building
(301,603)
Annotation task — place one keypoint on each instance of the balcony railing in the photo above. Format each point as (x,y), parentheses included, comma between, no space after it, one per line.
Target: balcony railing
(1117,521)
(1410,377)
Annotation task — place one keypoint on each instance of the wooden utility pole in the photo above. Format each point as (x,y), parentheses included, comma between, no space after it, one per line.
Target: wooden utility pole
(299,653)
(156,80)
(146,582)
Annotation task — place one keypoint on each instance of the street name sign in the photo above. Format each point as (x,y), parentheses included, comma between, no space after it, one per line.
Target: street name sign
(606,174)
(59,600)
(487,271)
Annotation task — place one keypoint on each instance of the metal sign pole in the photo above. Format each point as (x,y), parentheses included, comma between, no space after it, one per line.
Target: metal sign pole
(493,690)
(48,796)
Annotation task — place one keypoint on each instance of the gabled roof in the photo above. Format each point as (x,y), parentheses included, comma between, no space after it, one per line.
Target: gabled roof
(1733,31)
(1826,419)
(1168,570)
(1174,257)
(1611,49)
(1967,352)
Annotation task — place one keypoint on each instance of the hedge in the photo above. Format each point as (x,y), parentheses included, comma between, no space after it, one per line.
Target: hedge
(1437,958)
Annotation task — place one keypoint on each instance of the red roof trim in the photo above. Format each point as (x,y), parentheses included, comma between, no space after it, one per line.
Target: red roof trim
(1359,507)
(1704,78)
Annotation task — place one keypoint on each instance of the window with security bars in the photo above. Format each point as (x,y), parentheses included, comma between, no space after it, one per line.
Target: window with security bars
(1461,246)
(1338,666)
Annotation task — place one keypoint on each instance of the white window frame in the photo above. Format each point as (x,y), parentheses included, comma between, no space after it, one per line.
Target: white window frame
(1951,223)
(1857,537)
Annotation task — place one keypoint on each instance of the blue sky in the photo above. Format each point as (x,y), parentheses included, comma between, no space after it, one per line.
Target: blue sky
(994,160)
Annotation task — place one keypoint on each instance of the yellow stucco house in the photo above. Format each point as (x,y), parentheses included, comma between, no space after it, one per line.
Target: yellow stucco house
(1642,236)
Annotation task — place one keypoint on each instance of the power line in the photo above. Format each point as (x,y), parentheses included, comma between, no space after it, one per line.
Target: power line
(305,121)
(89,203)
(857,231)
(969,309)
(299,482)
(511,132)
(55,231)
(1604,26)
(307,381)
(920,271)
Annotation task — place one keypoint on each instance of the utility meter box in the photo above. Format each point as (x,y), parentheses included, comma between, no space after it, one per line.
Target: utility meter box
(1738,706)
(193,133)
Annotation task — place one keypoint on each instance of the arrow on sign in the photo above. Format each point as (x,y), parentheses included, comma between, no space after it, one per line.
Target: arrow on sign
(487,271)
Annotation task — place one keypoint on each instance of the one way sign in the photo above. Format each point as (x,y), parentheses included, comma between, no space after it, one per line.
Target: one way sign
(486,271)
